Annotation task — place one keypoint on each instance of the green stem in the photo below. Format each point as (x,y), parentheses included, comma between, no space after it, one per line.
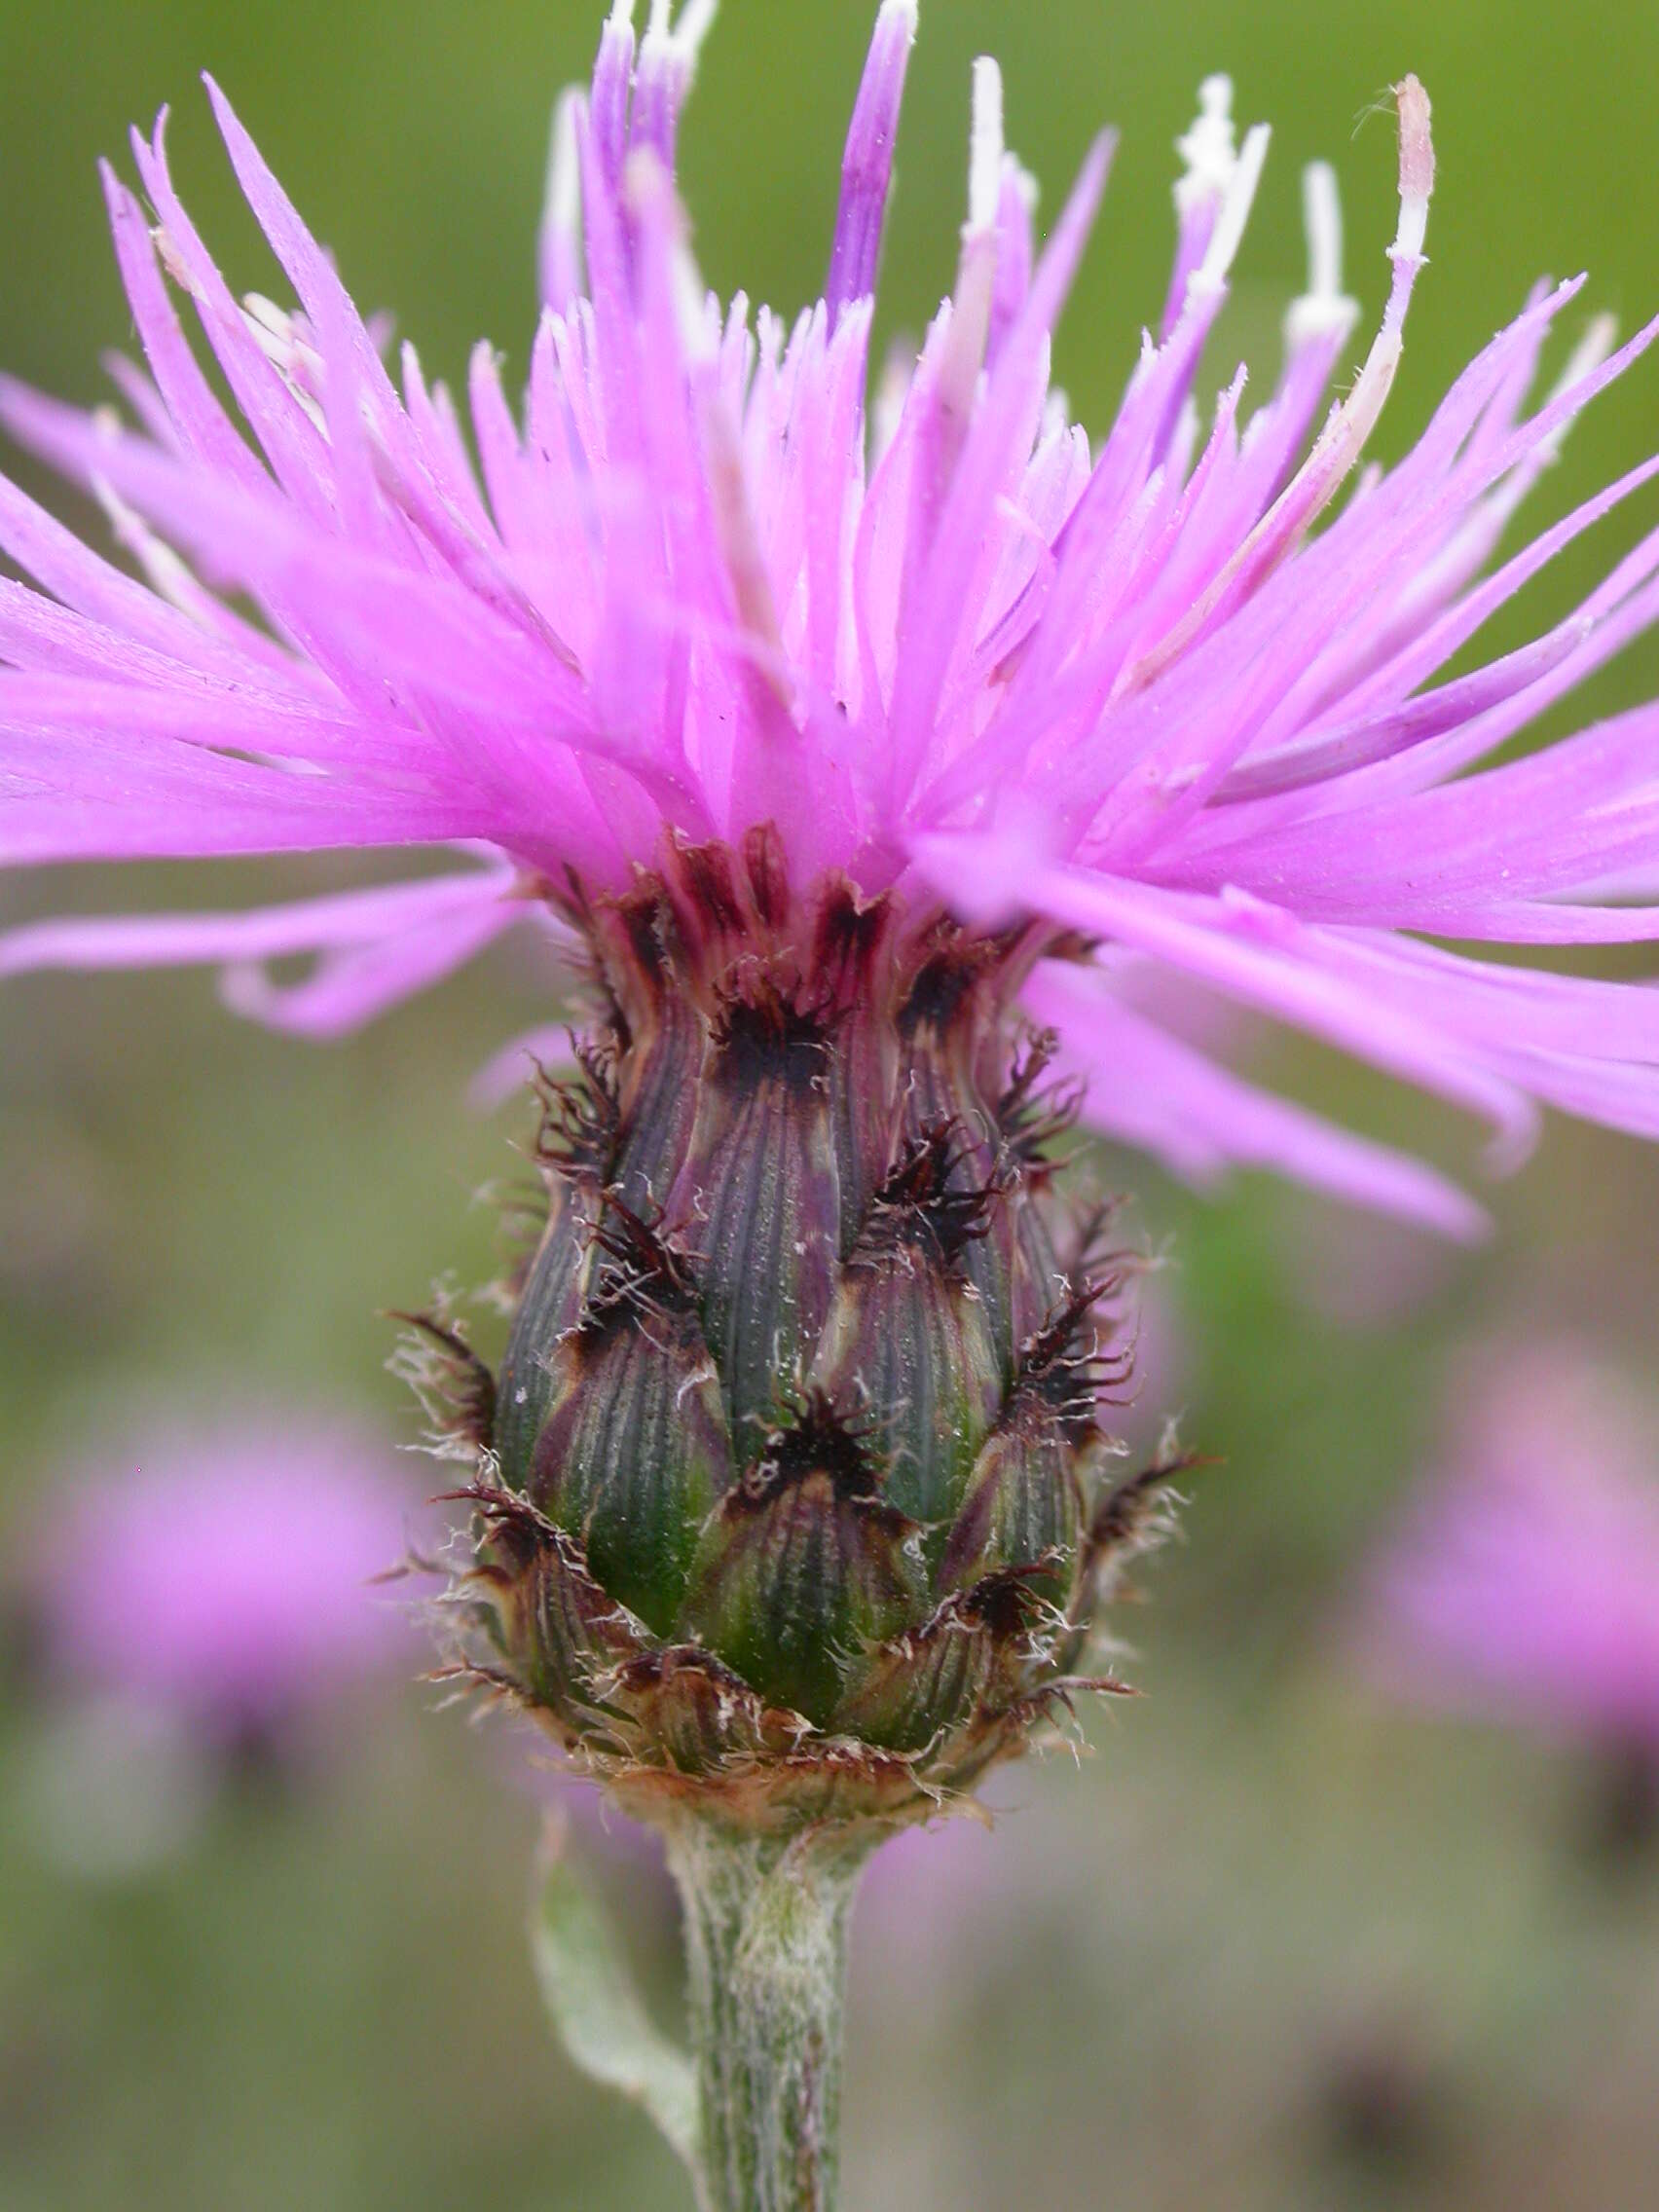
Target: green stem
(766,1948)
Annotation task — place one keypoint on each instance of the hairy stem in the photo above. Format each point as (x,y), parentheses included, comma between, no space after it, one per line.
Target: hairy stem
(766,1946)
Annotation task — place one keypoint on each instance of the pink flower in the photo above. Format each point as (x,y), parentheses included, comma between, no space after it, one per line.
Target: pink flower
(1180,692)
(222,1571)
(1526,1578)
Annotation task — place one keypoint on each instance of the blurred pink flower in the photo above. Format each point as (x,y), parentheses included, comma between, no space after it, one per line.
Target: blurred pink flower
(223,1571)
(1525,1581)
(1361,1272)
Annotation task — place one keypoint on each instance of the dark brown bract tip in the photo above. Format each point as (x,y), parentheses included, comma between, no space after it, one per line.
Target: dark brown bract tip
(762,1033)
(1063,1368)
(639,1271)
(1033,1118)
(456,1388)
(923,1199)
(580,1114)
(814,1435)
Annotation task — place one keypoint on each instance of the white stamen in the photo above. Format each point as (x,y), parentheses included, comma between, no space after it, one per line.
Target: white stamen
(696,19)
(1342,441)
(268,321)
(699,331)
(967,313)
(646,188)
(1235,212)
(1589,352)
(173,261)
(564,168)
(891,389)
(1322,213)
(985,161)
(680,41)
(1184,437)
(1417,169)
(1324,307)
(1584,360)
(740,542)
(1208,147)
(1025,185)
(296,361)
(168,574)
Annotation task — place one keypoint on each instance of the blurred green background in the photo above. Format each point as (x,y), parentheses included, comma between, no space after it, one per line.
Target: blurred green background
(1275,1946)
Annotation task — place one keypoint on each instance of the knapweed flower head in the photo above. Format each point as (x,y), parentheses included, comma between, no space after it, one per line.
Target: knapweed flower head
(873,746)
(222,1570)
(1524,1580)
(1174,691)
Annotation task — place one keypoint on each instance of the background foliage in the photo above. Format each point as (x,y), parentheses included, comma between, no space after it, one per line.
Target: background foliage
(1276,1946)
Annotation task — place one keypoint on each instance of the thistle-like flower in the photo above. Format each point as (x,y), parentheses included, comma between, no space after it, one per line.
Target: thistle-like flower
(869,755)
(1163,701)
(867,758)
